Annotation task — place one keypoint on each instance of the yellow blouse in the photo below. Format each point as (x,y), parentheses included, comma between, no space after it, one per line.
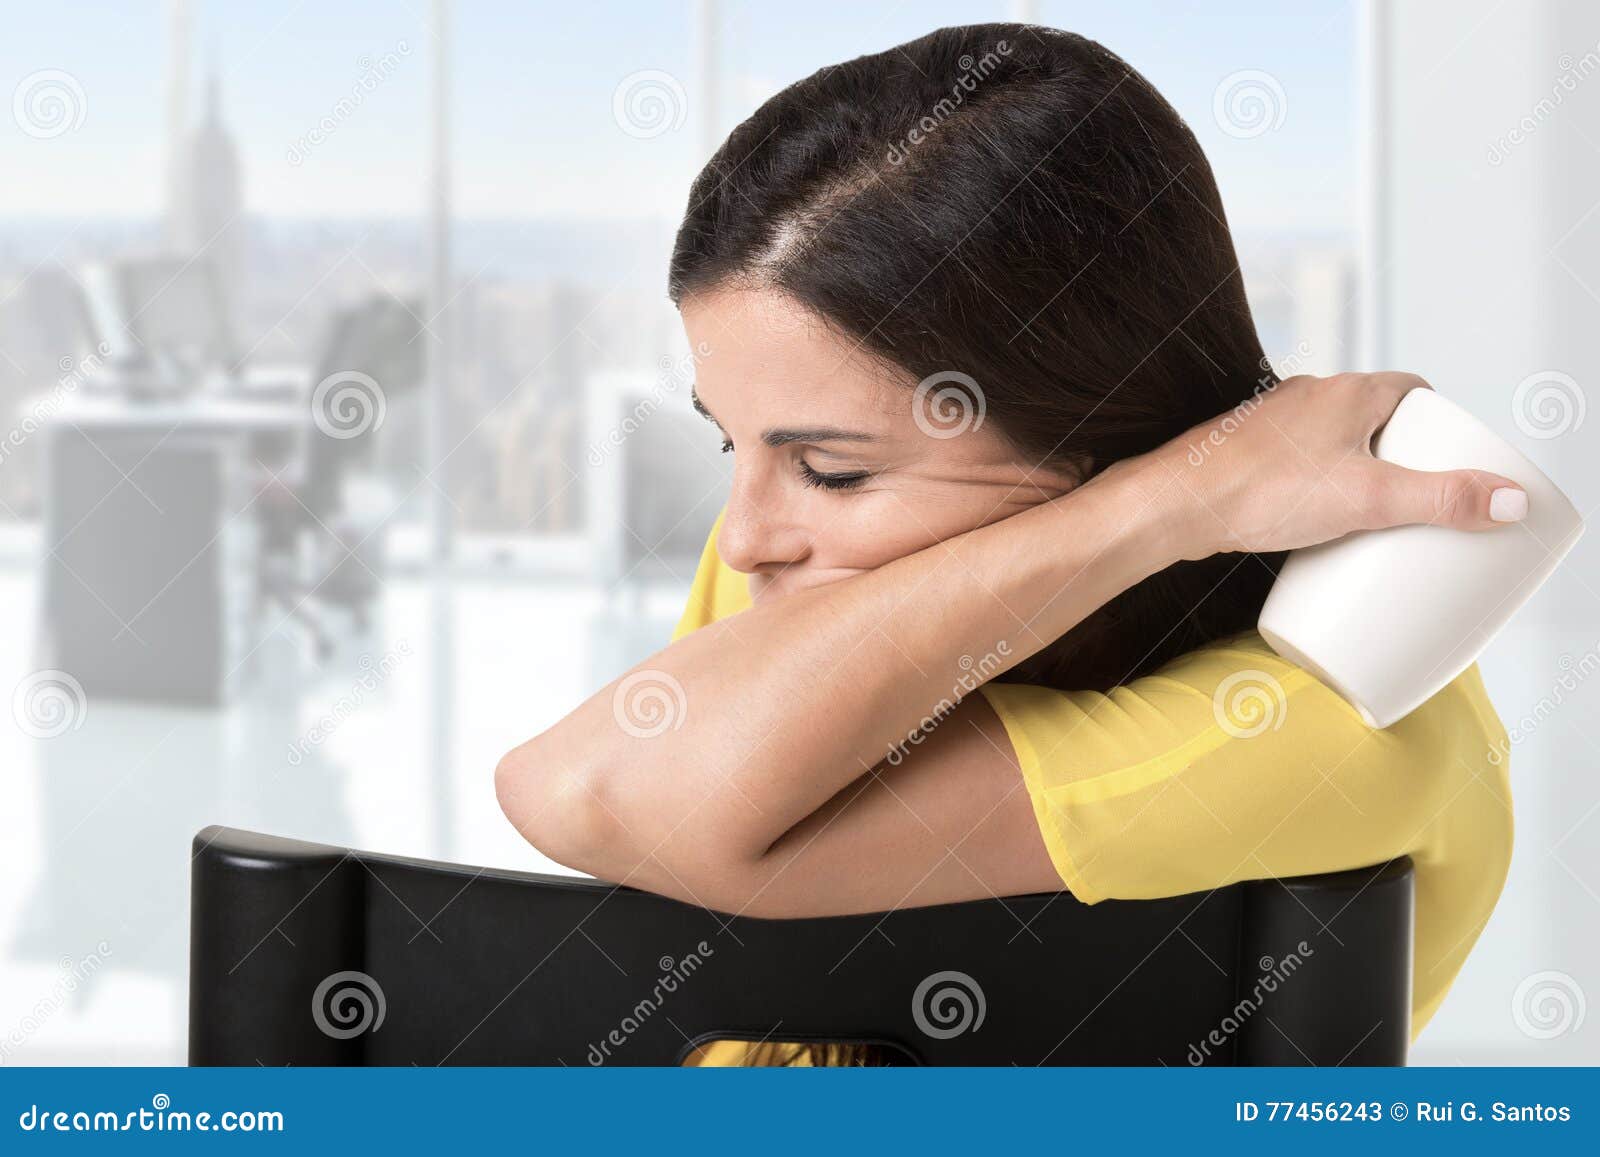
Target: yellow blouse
(1232,764)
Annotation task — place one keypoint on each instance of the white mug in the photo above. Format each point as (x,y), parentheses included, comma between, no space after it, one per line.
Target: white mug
(1387,618)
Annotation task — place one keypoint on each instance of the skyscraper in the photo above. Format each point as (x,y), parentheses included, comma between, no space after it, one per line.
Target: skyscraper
(205,219)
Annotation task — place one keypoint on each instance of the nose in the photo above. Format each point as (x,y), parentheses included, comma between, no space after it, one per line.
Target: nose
(759,534)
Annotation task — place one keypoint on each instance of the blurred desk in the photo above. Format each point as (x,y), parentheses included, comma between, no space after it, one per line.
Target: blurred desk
(150,576)
(234,412)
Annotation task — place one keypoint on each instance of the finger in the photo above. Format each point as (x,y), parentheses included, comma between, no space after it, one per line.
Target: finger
(1399,382)
(1460,499)
(1385,391)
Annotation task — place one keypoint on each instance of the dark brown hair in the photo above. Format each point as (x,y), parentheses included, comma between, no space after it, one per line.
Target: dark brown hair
(1019,205)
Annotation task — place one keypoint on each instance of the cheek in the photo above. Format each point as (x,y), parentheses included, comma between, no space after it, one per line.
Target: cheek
(878,528)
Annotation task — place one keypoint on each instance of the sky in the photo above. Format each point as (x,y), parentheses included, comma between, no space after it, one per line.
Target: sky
(533,87)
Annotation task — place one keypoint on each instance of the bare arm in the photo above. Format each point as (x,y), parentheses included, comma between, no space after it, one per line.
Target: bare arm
(788,704)
(757,799)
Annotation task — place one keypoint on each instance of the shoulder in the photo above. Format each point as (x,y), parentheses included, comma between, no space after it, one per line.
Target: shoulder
(1232,763)
(1237,699)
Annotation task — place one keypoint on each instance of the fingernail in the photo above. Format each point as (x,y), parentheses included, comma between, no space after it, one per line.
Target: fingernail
(1508,504)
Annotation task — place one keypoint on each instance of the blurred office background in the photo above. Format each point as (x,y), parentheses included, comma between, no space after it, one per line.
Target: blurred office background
(346,439)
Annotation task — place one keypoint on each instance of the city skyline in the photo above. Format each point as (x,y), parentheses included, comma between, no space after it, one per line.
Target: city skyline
(535,134)
(307,196)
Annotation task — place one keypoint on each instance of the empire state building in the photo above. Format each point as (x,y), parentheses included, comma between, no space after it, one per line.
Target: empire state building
(206,217)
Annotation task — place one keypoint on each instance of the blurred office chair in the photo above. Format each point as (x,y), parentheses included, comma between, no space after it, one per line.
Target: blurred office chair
(322,543)
(312,955)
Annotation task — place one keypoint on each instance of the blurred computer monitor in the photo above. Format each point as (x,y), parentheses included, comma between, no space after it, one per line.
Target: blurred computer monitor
(163,309)
(655,481)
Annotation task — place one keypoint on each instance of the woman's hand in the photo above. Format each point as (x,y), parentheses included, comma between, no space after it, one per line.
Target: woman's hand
(1295,467)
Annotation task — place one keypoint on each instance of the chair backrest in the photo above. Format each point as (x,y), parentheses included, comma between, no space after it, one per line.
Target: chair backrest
(379,338)
(306,954)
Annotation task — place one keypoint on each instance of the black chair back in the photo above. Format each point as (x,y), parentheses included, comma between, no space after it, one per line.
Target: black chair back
(312,955)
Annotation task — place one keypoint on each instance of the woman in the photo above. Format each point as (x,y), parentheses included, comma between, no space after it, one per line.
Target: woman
(967,313)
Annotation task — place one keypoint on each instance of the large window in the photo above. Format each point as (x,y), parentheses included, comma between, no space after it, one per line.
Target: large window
(566,174)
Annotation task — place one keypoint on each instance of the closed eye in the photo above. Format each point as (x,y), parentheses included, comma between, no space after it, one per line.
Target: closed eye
(823,481)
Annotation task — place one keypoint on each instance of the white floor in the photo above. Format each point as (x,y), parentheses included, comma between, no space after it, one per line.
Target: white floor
(388,746)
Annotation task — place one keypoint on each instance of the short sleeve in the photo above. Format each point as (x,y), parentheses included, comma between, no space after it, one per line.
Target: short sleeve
(1231,764)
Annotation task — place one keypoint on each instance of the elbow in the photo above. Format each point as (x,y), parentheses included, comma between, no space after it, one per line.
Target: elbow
(578,813)
(558,808)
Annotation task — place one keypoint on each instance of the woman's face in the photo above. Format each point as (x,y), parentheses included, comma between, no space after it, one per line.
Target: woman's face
(838,467)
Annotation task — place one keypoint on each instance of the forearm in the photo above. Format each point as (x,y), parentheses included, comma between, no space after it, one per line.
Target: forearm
(785,704)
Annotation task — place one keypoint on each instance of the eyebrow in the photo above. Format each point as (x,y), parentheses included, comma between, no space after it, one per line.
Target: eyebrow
(815,434)
(790,435)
